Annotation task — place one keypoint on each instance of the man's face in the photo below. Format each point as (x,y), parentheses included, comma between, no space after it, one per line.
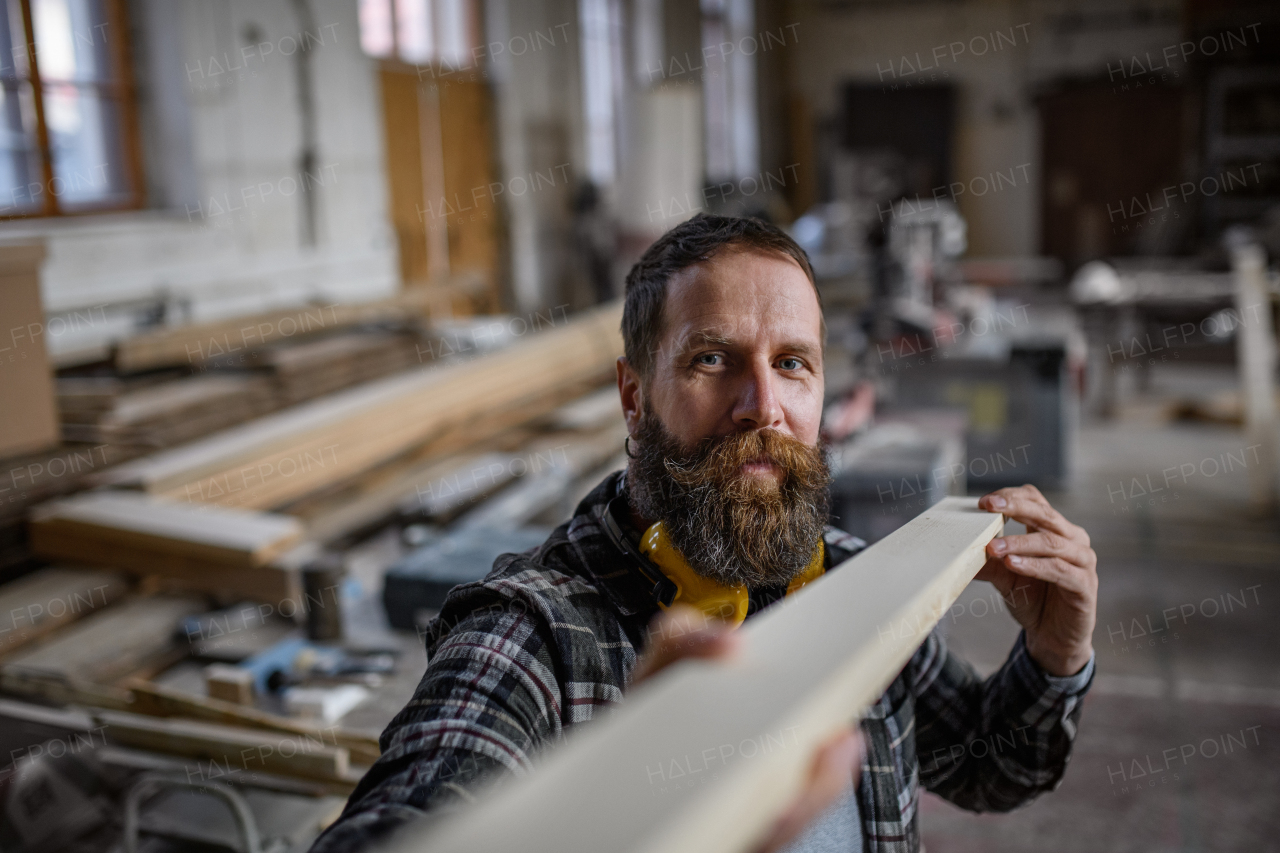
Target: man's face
(740,349)
(725,430)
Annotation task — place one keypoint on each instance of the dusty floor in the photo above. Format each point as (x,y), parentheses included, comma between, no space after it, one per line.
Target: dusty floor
(1179,745)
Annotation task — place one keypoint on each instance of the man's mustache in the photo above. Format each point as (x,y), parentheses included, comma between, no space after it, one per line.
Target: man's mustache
(720,459)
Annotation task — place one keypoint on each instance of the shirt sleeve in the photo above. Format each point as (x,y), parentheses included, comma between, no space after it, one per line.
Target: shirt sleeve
(488,700)
(994,744)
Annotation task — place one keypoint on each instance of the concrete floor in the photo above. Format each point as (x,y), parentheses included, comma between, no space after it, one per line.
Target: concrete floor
(1188,645)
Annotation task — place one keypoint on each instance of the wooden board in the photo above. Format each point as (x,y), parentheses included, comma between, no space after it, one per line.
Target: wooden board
(220,749)
(215,535)
(112,643)
(284,456)
(34,605)
(809,665)
(57,689)
(439,485)
(199,342)
(160,701)
(272,583)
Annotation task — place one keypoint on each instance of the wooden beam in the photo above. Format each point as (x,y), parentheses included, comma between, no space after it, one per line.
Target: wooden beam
(57,689)
(207,548)
(809,665)
(112,643)
(158,701)
(216,535)
(219,749)
(144,697)
(34,605)
(282,457)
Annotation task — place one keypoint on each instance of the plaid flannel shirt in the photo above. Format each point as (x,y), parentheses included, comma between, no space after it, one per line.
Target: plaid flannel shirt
(550,637)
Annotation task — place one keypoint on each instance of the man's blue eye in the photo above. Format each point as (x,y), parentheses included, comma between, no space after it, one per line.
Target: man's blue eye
(789,364)
(708,358)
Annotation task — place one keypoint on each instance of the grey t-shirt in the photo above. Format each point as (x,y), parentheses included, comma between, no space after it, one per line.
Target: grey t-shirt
(837,830)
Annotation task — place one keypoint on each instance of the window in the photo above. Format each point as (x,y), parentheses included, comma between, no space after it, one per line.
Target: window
(67,144)
(602,84)
(729,90)
(420,32)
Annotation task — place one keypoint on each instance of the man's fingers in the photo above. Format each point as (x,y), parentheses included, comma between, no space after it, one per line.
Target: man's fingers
(1001,499)
(1042,544)
(996,573)
(1049,569)
(834,766)
(1025,504)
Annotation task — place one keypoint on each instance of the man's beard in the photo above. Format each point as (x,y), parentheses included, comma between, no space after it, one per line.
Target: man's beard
(731,526)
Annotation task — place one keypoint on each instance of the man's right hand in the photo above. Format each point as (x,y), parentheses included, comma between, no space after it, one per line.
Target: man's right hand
(684,632)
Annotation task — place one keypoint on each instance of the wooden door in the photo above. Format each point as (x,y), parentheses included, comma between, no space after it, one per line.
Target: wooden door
(1108,156)
(445,196)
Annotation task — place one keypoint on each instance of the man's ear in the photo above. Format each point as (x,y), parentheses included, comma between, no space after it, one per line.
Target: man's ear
(631,393)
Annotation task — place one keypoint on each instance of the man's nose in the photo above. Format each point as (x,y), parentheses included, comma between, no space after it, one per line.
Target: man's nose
(757,406)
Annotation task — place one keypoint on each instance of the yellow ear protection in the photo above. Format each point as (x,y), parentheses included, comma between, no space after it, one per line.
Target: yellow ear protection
(711,597)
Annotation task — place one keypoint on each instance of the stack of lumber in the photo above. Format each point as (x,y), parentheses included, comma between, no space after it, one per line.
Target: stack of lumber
(101,663)
(282,457)
(209,548)
(199,342)
(99,410)
(304,370)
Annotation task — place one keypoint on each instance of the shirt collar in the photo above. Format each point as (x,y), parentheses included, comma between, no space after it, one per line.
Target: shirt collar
(611,555)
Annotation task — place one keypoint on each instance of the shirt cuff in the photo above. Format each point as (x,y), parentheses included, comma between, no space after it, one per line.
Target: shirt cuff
(1069,684)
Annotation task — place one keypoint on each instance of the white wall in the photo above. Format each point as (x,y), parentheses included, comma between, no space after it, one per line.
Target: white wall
(222,136)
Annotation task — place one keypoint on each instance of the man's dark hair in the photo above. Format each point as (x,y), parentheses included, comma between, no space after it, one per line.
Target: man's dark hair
(692,241)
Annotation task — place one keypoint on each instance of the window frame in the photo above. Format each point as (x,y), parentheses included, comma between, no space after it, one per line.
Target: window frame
(121,89)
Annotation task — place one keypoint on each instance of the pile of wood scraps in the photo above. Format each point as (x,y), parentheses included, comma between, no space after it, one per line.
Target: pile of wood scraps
(84,641)
(104,757)
(104,645)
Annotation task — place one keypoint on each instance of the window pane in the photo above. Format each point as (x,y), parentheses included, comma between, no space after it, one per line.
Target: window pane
(456,39)
(414,33)
(84,136)
(71,40)
(375,27)
(21,181)
(13,50)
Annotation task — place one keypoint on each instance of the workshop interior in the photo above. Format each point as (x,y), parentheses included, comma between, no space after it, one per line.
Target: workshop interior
(311,311)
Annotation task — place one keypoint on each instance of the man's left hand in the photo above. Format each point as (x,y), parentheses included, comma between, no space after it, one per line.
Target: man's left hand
(1048,578)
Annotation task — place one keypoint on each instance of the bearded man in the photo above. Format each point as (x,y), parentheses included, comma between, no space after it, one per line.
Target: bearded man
(722,510)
